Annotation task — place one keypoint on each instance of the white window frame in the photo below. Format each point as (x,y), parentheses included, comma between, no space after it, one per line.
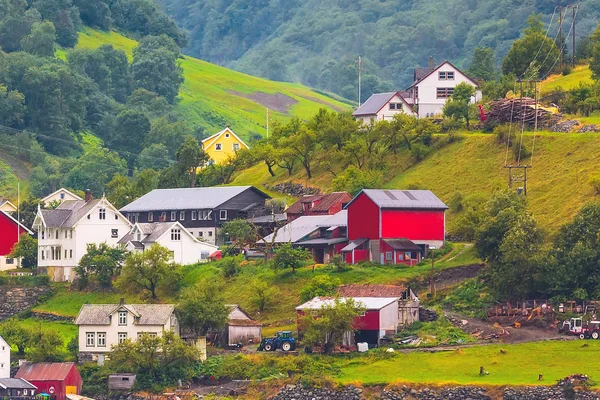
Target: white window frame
(389,256)
(173,215)
(150,216)
(121,314)
(101,339)
(221,217)
(102,213)
(182,215)
(194,215)
(236,147)
(176,235)
(218,146)
(90,339)
(121,337)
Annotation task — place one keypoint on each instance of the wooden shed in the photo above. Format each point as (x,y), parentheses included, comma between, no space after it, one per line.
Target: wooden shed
(121,382)
(241,328)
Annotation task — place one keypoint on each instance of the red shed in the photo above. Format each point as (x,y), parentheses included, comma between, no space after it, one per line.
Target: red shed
(56,379)
(383,224)
(10,230)
(379,319)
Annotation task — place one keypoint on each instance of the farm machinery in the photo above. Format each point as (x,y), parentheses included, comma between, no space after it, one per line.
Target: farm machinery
(575,326)
(283,340)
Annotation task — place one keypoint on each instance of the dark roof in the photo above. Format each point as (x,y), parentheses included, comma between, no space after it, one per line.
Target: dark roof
(431,71)
(188,198)
(325,202)
(374,103)
(353,290)
(421,73)
(268,219)
(406,199)
(68,213)
(243,322)
(14,383)
(149,314)
(45,371)
(298,207)
(402,244)
(321,241)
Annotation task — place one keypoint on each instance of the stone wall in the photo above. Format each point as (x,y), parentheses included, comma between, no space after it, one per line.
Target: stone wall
(427,315)
(51,317)
(14,300)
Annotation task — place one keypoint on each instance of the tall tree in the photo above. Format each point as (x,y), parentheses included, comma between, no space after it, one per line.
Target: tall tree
(459,106)
(40,41)
(202,308)
(26,249)
(129,133)
(483,64)
(102,262)
(190,157)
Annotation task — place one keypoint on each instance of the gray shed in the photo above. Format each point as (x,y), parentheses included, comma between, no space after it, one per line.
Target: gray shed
(241,328)
(118,382)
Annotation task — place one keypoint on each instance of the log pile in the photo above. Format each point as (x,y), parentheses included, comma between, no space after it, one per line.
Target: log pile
(518,111)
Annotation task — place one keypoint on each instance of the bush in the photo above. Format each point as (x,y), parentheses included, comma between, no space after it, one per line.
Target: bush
(337,262)
(566,70)
(470,298)
(451,125)
(230,267)
(520,151)
(321,285)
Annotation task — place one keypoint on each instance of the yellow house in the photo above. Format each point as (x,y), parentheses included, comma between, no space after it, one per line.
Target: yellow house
(223,144)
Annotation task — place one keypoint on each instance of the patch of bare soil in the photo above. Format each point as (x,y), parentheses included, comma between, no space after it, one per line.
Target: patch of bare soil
(338,109)
(277,102)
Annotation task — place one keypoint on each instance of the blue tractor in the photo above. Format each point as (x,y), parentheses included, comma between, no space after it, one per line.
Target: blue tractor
(283,340)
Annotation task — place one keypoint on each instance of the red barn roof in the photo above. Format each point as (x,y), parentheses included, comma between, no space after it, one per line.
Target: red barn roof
(45,371)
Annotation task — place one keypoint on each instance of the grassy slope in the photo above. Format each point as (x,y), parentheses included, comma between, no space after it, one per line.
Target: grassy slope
(581,73)
(558,183)
(206,97)
(520,366)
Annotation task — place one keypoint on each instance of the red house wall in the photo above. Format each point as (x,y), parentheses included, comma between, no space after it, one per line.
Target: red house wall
(363,218)
(368,322)
(386,247)
(8,234)
(44,387)
(412,224)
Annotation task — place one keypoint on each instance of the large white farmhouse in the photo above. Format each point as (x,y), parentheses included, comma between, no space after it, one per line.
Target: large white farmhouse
(102,326)
(433,86)
(185,248)
(64,233)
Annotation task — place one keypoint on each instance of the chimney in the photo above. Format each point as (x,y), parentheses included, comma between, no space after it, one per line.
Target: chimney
(88,195)
(227,126)
(122,301)
(431,65)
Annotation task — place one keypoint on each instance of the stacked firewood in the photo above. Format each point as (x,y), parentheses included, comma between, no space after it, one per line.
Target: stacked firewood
(518,111)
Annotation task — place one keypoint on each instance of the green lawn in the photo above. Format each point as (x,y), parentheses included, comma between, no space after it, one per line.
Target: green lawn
(213,96)
(68,303)
(519,366)
(581,73)
(66,330)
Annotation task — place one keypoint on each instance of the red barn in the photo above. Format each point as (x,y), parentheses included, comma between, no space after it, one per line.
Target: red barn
(394,226)
(379,319)
(55,379)
(10,230)
(318,204)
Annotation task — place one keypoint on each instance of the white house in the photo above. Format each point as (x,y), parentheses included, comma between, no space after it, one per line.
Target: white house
(60,195)
(7,206)
(104,325)
(4,358)
(186,249)
(64,233)
(383,106)
(433,86)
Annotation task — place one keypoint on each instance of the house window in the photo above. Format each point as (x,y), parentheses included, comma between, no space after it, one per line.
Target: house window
(446,75)
(400,256)
(194,215)
(223,214)
(122,337)
(210,233)
(56,233)
(182,215)
(71,234)
(65,234)
(408,255)
(150,216)
(444,93)
(89,216)
(65,254)
(25,392)
(176,235)
(227,135)
(10,260)
(134,218)
(138,236)
(89,341)
(122,318)
(62,196)
(102,213)
(114,233)
(236,146)
(218,147)
(163,217)
(206,214)
(43,254)
(200,234)
(43,234)
(362,314)
(173,215)
(101,339)
(71,254)
(389,256)
(117,217)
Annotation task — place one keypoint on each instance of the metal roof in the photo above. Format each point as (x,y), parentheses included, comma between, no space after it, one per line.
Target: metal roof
(266,219)
(407,199)
(338,219)
(402,244)
(15,383)
(354,244)
(374,103)
(371,290)
(296,230)
(149,314)
(322,241)
(370,303)
(187,198)
(45,371)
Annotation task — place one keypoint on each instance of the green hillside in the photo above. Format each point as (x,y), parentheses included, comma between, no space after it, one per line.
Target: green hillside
(213,96)
(580,74)
(558,183)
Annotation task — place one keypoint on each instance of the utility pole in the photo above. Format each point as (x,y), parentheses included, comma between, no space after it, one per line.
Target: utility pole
(574,23)
(267,124)
(359,77)
(560,35)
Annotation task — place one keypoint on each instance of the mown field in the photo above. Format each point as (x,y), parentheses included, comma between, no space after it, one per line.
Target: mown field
(213,96)
(580,74)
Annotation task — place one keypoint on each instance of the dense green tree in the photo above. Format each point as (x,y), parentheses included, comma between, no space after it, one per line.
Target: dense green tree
(320,285)
(65,18)
(26,249)
(94,170)
(459,106)
(262,295)
(15,23)
(239,232)
(155,156)
(40,41)
(353,180)
(12,107)
(170,134)
(46,345)
(95,12)
(149,273)
(129,133)
(16,334)
(149,103)
(101,262)
(202,308)
(190,157)
(483,64)
(156,68)
(289,257)
(594,50)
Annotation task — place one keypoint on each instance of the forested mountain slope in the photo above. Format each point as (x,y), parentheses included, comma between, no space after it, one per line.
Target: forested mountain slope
(317,42)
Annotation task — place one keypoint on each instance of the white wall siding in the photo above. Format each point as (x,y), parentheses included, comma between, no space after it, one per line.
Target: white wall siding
(388,318)
(4,359)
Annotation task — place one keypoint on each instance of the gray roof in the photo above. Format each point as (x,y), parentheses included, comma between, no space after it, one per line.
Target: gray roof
(154,230)
(374,103)
(421,73)
(15,383)
(322,241)
(338,219)
(186,198)
(402,244)
(68,213)
(403,199)
(149,314)
(297,229)
(266,219)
